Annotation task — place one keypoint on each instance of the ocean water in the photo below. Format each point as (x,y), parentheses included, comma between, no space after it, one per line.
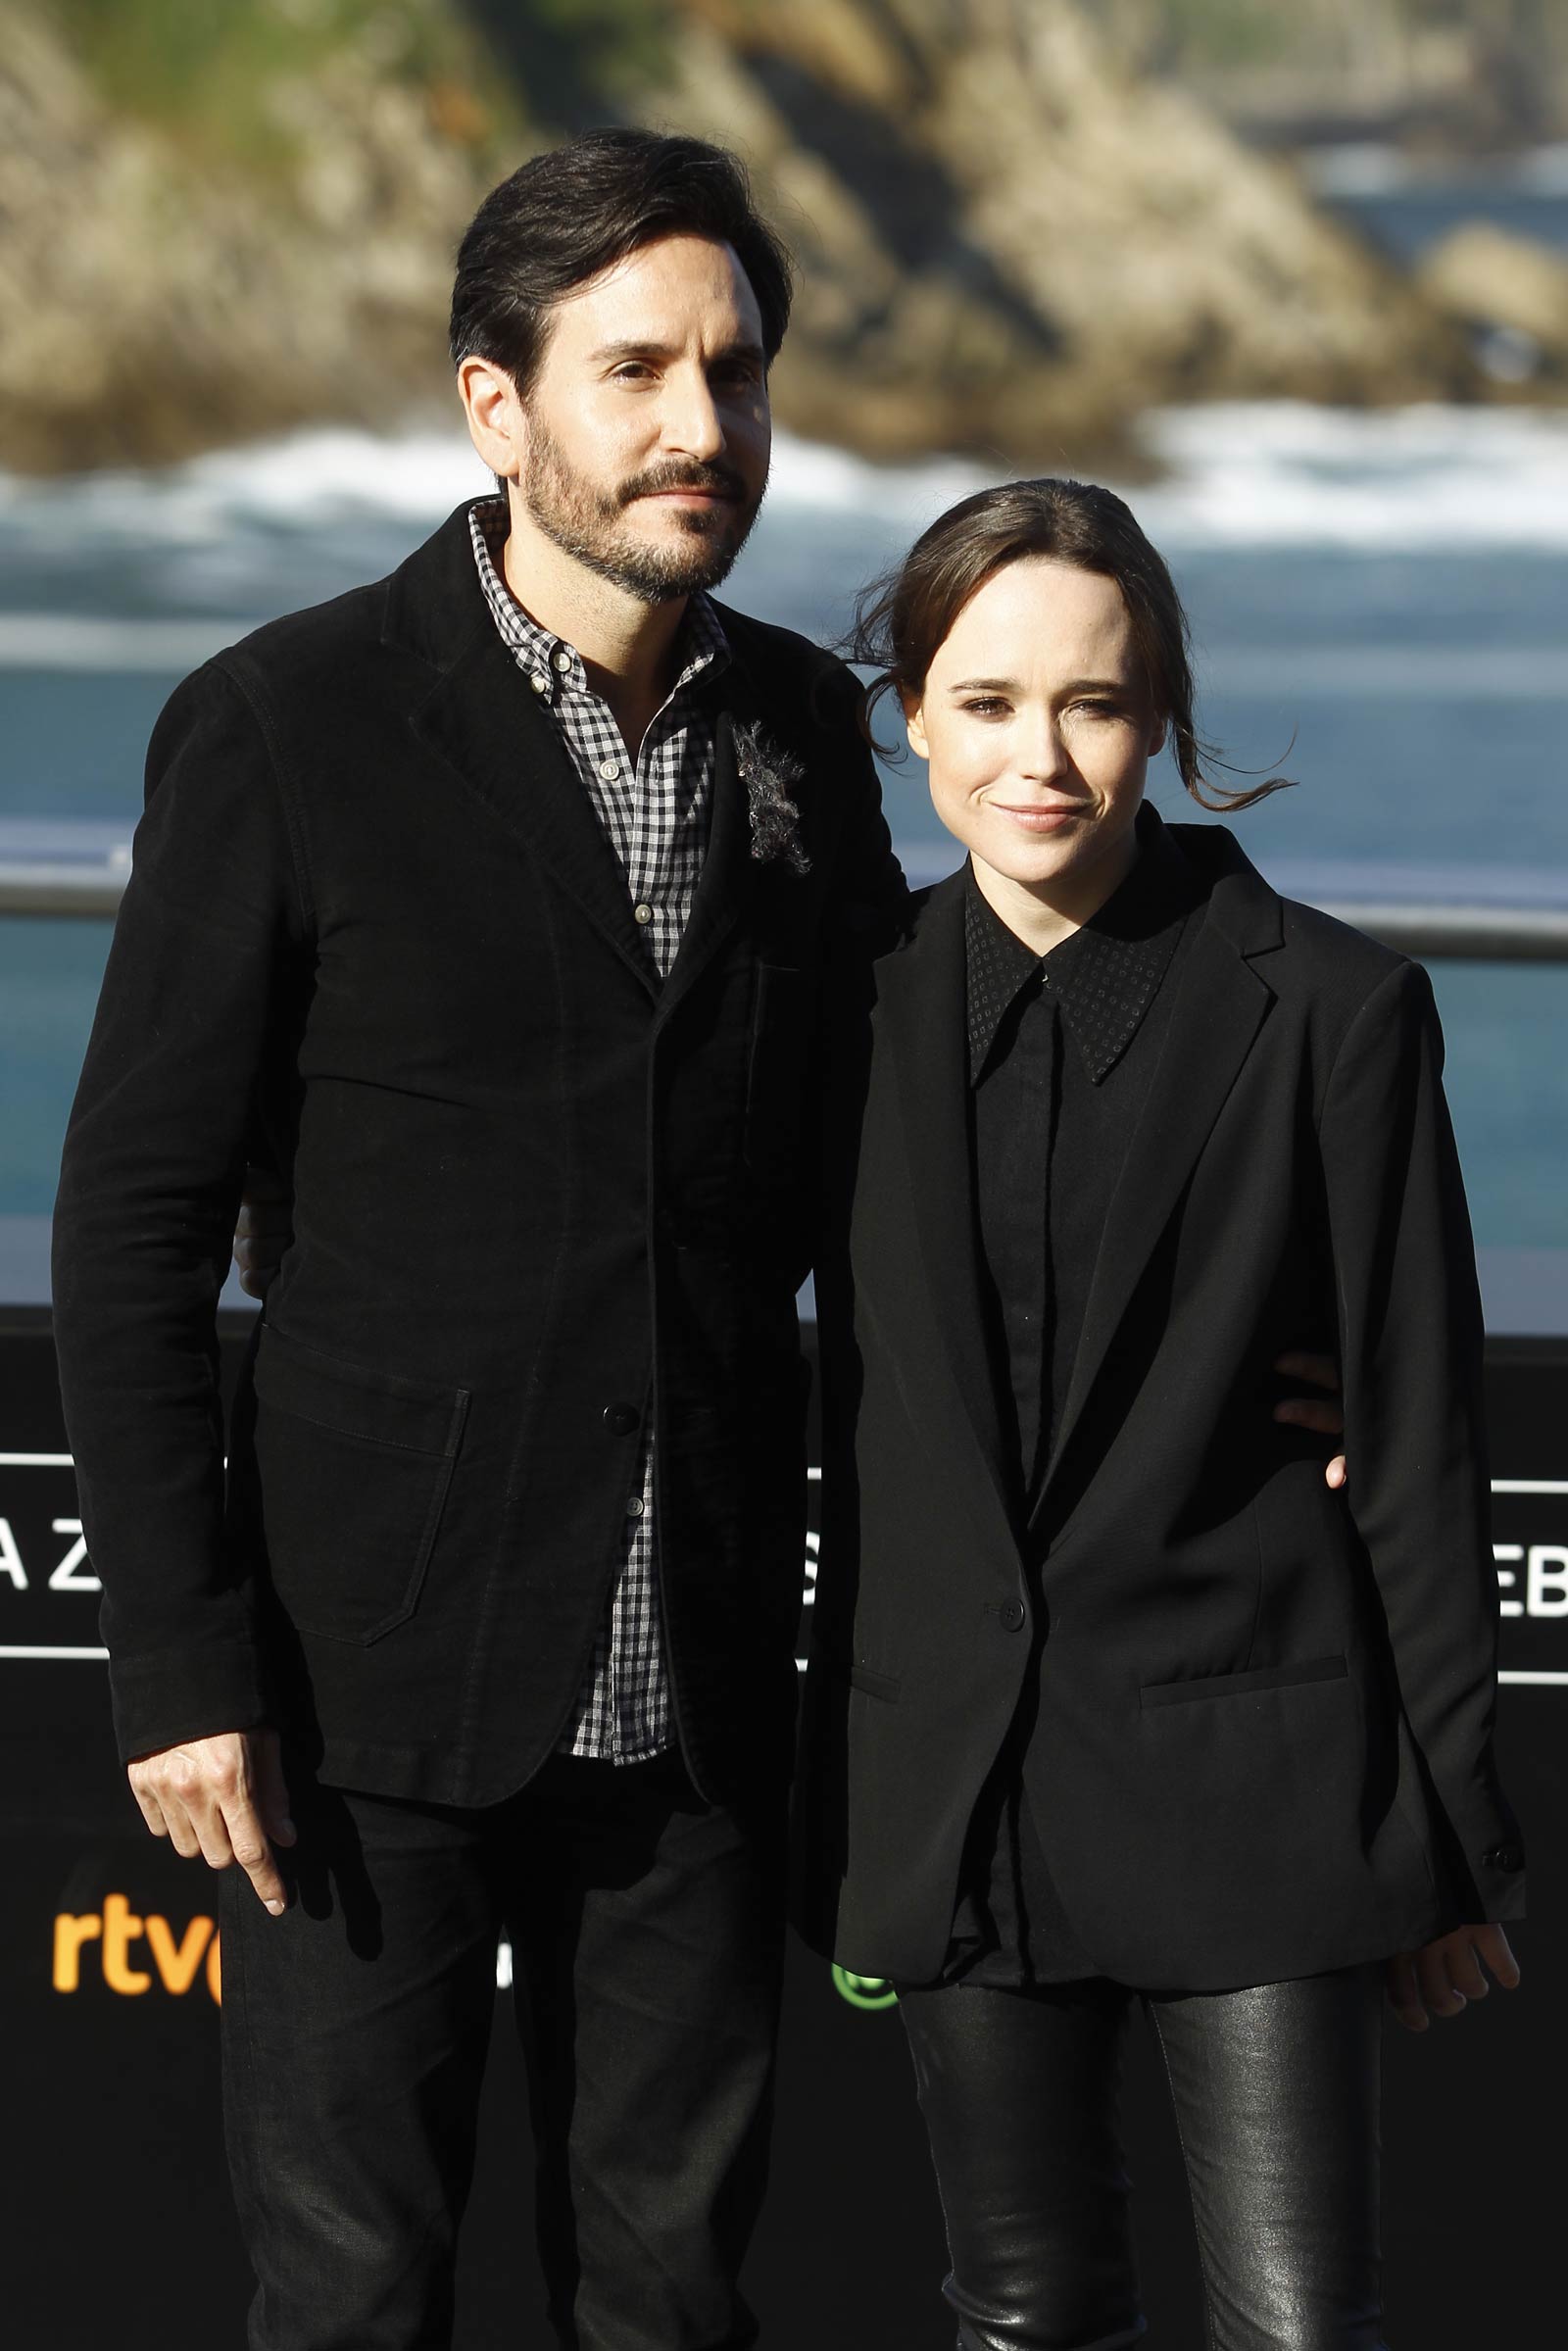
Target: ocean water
(1380,607)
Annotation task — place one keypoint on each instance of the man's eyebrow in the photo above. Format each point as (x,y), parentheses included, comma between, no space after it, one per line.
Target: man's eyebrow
(643,347)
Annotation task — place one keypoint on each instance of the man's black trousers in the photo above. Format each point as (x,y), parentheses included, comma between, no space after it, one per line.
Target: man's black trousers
(647,1936)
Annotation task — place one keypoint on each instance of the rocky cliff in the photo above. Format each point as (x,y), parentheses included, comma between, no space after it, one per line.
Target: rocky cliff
(1011,244)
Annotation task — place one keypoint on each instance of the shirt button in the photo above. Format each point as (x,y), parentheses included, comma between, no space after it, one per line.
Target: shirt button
(540,684)
(634,1508)
(609,769)
(563,661)
(642,913)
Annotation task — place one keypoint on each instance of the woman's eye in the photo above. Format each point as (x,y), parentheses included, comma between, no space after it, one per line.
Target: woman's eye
(986,706)
(1101,710)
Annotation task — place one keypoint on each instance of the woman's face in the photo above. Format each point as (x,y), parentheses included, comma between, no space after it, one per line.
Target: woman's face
(1038,726)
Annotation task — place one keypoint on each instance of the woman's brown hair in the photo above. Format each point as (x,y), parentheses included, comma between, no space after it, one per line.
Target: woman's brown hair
(903,617)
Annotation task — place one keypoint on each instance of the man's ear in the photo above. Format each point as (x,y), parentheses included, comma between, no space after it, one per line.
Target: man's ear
(494,413)
(914,729)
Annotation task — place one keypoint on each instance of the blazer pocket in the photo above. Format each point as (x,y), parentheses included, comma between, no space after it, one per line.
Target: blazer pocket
(875,1685)
(1238,1685)
(775,1077)
(353,1463)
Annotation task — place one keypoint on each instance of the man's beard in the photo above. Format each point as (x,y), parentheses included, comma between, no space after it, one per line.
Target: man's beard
(587,522)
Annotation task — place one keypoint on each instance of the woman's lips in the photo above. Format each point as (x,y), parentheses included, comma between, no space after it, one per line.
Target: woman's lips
(1040,819)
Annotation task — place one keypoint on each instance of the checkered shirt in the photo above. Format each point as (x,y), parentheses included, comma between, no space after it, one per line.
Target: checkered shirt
(655,811)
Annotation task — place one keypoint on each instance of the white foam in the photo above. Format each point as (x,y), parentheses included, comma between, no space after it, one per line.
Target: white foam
(1236,474)
(1287,473)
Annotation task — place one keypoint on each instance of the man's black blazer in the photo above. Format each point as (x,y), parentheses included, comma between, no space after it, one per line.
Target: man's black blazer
(1264,1734)
(375,934)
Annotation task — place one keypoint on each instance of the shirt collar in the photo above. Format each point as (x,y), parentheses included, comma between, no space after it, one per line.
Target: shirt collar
(1104,977)
(551,666)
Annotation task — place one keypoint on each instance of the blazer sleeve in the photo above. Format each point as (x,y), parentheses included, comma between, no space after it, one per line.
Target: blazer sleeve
(211,923)
(1410,1331)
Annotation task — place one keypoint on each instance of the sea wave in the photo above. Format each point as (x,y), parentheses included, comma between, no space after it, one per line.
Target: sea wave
(1238,474)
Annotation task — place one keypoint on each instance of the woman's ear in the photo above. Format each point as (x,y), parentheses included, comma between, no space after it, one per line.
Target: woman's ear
(914,729)
(1156,738)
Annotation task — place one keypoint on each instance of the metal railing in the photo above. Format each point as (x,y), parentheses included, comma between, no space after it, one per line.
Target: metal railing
(54,878)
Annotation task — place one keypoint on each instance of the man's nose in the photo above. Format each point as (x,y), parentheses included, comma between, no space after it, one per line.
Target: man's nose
(692,427)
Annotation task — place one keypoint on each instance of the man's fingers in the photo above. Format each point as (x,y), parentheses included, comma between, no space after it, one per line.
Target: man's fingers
(1320,1370)
(272,1788)
(1337,1475)
(249,1847)
(152,1812)
(181,1831)
(208,1797)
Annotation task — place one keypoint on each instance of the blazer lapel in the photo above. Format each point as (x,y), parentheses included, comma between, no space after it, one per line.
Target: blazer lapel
(921,1016)
(485,722)
(1221,1006)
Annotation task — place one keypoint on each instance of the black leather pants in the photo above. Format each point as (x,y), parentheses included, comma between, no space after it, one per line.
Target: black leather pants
(1276,2092)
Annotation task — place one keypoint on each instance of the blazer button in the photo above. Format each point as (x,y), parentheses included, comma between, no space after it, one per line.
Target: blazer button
(1011,1613)
(1507,1858)
(620,1419)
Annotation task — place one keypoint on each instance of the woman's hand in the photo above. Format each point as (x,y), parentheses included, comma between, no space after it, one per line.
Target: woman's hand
(1443,1977)
(263,1231)
(1322,1413)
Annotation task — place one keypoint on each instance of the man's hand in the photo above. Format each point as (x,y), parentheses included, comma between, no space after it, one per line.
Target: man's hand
(224,1799)
(1443,1977)
(1322,1413)
(263,1231)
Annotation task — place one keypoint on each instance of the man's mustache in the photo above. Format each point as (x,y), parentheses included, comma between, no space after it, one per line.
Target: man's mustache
(722,480)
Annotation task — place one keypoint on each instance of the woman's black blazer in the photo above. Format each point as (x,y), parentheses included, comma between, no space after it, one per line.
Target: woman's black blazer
(1266,1710)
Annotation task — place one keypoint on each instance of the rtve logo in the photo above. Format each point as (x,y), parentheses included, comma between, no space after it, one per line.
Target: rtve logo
(107,1936)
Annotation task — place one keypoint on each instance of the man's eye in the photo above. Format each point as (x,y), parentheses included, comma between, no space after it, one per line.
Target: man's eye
(631,371)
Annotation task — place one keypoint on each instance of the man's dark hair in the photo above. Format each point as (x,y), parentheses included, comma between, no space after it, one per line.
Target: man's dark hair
(578,209)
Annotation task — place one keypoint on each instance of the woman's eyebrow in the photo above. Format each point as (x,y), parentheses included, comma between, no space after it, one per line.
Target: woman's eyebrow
(1071,685)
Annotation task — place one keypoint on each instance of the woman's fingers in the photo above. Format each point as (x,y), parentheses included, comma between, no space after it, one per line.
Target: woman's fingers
(1404,1992)
(1465,1972)
(1319,1371)
(1494,1948)
(1439,1997)
(1449,1974)
(1311,1412)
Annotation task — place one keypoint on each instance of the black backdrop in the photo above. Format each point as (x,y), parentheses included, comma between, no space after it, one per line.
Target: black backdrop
(118,2225)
